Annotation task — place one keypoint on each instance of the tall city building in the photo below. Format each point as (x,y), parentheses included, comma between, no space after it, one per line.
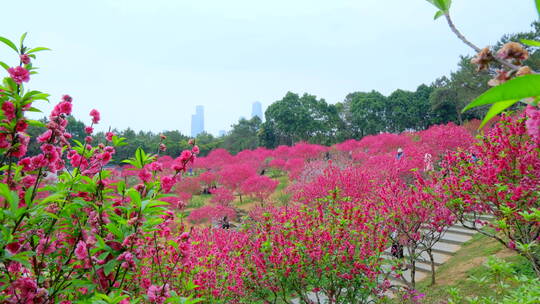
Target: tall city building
(197,121)
(256,110)
(222,133)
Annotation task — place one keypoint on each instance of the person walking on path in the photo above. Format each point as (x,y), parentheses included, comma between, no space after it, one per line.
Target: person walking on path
(397,249)
(225,223)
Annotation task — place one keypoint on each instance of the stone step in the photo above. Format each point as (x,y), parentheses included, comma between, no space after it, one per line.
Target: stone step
(455,238)
(421,266)
(445,248)
(398,282)
(419,275)
(449,241)
(479,217)
(442,251)
(461,230)
(471,224)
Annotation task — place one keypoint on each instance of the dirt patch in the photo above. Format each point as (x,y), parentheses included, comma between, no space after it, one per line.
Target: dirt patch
(460,271)
(505,253)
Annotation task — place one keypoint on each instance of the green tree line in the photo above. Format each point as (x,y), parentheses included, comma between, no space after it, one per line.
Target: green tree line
(305,117)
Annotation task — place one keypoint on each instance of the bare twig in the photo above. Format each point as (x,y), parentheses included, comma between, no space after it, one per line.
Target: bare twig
(473,46)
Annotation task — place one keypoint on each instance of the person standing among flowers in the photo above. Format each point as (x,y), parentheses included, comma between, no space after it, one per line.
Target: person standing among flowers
(399,154)
(428,162)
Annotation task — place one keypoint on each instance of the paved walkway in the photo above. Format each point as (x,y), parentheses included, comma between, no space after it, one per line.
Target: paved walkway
(443,250)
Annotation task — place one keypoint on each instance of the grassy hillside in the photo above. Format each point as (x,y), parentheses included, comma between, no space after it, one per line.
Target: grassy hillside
(458,272)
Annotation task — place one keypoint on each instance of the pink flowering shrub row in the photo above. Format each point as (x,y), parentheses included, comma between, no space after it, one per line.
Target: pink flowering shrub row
(331,248)
(222,196)
(210,213)
(374,156)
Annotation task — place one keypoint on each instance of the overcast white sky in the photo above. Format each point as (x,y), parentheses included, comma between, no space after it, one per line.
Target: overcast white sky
(146,64)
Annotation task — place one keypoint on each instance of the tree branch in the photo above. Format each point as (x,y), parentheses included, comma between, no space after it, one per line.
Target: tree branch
(458,33)
(473,46)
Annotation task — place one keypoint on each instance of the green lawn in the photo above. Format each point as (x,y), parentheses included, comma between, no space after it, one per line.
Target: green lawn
(198,201)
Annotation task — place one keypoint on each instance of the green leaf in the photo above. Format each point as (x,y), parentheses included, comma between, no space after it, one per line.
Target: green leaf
(22,39)
(443,5)
(514,89)
(530,42)
(31,93)
(9,43)
(100,242)
(103,297)
(78,143)
(173,244)
(21,257)
(52,198)
(496,109)
(140,156)
(447,4)
(149,204)
(33,96)
(9,195)
(189,285)
(135,196)
(118,299)
(32,109)
(109,267)
(538,6)
(10,83)
(38,49)
(35,123)
(130,161)
(121,186)
(118,141)
(42,96)
(438,14)
(115,230)
(5,66)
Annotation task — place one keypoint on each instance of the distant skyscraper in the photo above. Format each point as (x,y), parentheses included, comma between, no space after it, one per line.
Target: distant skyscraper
(256,110)
(193,125)
(221,133)
(197,121)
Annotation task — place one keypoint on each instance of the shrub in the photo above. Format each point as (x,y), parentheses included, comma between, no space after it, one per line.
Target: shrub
(259,186)
(502,179)
(86,236)
(222,196)
(211,213)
